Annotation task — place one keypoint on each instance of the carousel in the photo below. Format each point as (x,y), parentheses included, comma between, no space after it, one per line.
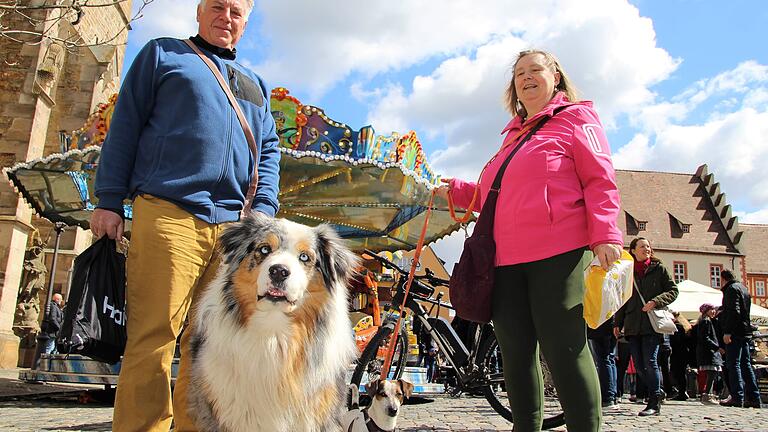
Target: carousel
(374,190)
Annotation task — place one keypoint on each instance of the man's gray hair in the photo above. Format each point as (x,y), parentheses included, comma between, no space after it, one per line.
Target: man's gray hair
(248,6)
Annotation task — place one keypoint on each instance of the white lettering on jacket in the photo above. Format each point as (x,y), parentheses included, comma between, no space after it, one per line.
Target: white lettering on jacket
(594,141)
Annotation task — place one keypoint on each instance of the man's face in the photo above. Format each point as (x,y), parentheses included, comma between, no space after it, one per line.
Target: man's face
(222,22)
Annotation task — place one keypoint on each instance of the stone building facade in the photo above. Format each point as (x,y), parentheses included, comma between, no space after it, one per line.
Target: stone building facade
(45,88)
(688,221)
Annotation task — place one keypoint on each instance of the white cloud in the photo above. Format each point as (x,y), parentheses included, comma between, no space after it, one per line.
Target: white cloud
(608,50)
(733,146)
(756,217)
(161,18)
(449,249)
(314,46)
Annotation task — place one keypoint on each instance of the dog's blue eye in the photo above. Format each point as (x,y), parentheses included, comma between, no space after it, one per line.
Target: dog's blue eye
(265,250)
(303,257)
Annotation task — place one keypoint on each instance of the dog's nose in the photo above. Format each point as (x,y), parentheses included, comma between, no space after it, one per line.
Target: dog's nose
(392,411)
(279,273)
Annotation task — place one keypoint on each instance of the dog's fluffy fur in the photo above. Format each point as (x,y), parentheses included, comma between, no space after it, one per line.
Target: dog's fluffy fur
(271,336)
(386,398)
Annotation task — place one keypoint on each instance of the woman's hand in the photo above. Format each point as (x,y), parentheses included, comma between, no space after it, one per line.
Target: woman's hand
(607,254)
(651,305)
(444,188)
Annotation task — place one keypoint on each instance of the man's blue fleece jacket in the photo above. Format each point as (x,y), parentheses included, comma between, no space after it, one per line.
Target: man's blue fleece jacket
(174,135)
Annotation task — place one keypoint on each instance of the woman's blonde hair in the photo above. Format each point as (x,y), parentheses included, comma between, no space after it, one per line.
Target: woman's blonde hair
(510,96)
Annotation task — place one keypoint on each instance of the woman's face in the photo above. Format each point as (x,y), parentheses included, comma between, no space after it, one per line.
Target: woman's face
(642,250)
(711,313)
(535,82)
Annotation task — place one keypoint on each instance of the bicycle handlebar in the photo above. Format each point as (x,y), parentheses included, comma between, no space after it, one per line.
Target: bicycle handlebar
(429,276)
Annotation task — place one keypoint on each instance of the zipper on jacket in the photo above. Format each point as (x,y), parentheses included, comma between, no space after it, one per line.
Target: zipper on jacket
(224,165)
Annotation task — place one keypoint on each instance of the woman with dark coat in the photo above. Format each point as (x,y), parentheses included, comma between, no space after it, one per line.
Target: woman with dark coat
(708,351)
(658,289)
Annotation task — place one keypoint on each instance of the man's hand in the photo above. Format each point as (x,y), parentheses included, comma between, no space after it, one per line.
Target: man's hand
(727,339)
(607,254)
(651,305)
(107,222)
(616,332)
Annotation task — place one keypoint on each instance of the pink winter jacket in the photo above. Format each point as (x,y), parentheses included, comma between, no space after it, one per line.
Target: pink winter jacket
(559,191)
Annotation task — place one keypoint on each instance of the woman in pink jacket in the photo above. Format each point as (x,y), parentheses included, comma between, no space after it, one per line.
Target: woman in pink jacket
(557,205)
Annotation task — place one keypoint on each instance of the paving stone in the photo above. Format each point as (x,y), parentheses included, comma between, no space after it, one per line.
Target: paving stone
(61,412)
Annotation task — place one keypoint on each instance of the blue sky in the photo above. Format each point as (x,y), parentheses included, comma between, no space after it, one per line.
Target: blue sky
(677,83)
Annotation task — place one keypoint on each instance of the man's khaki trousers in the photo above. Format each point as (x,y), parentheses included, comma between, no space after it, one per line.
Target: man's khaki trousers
(172,257)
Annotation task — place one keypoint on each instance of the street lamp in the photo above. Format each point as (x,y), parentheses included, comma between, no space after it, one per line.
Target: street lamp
(42,337)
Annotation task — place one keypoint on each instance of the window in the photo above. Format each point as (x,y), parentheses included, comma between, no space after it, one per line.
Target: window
(714,275)
(680,271)
(686,228)
(641,225)
(760,288)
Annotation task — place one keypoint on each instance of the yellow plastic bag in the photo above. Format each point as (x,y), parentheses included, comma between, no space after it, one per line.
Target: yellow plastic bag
(606,292)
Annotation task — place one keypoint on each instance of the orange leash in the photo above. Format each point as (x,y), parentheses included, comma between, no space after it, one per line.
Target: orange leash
(416,256)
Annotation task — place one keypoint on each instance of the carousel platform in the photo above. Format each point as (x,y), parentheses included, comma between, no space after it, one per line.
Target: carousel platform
(76,369)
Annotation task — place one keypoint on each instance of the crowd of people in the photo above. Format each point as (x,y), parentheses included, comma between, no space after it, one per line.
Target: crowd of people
(636,362)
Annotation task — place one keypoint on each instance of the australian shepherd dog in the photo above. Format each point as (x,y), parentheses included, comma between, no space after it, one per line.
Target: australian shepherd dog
(271,339)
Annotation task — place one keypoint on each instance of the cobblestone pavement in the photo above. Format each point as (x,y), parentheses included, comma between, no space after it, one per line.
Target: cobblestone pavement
(62,413)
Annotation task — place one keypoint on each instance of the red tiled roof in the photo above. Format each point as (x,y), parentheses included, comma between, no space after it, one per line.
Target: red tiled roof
(755,240)
(665,201)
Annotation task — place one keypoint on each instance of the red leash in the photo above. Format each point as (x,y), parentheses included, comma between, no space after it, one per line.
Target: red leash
(416,256)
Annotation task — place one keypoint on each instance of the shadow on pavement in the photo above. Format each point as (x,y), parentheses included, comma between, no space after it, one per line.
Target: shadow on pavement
(106,426)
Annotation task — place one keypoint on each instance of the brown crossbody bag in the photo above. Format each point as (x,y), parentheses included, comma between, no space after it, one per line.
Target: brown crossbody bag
(243,123)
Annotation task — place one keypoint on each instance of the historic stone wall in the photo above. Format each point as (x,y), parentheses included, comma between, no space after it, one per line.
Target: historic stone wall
(45,88)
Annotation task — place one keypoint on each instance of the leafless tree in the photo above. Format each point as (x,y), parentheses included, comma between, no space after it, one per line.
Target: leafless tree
(34,22)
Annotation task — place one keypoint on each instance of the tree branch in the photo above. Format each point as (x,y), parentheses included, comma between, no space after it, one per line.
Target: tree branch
(47,23)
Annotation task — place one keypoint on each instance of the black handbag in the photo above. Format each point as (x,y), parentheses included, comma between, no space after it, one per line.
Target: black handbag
(94,319)
(472,277)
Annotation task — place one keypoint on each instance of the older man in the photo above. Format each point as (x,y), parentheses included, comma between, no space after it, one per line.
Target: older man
(176,148)
(54,317)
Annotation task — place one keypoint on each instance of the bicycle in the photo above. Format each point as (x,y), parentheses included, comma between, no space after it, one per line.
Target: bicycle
(479,368)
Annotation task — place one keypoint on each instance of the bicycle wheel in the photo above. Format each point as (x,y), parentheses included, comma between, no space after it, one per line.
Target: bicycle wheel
(496,393)
(372,359)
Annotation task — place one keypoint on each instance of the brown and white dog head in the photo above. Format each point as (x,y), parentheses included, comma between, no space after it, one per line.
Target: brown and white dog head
(284,262)
(386,398)
(271,339)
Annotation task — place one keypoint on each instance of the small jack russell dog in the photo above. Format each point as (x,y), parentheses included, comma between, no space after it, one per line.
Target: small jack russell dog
(386,398)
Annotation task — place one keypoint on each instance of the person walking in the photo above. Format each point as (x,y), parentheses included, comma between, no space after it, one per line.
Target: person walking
(558,204)
(654,282)
(176,148)
(54,318)
(737,333)
(679,358)
(708,351)
(603,345)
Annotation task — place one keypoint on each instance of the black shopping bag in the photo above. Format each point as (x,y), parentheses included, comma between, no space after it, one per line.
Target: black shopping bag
(94,319)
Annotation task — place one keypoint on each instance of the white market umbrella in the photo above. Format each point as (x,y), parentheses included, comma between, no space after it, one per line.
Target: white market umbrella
(693,294)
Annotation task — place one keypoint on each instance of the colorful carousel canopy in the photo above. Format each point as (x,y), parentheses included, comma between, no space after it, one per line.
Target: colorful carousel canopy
(374,190)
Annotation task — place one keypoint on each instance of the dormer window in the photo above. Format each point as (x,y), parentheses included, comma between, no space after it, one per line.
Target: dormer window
(677,226)
(642,225)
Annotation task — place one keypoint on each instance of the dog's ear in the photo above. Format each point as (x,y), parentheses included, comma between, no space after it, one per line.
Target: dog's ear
(241,238)
(334,260)
(372,388)
(406,387)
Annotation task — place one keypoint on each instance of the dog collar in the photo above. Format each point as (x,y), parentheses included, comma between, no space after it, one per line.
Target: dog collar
(372,426)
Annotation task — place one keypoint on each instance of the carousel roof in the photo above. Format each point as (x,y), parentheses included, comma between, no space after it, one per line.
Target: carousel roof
(374,190)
